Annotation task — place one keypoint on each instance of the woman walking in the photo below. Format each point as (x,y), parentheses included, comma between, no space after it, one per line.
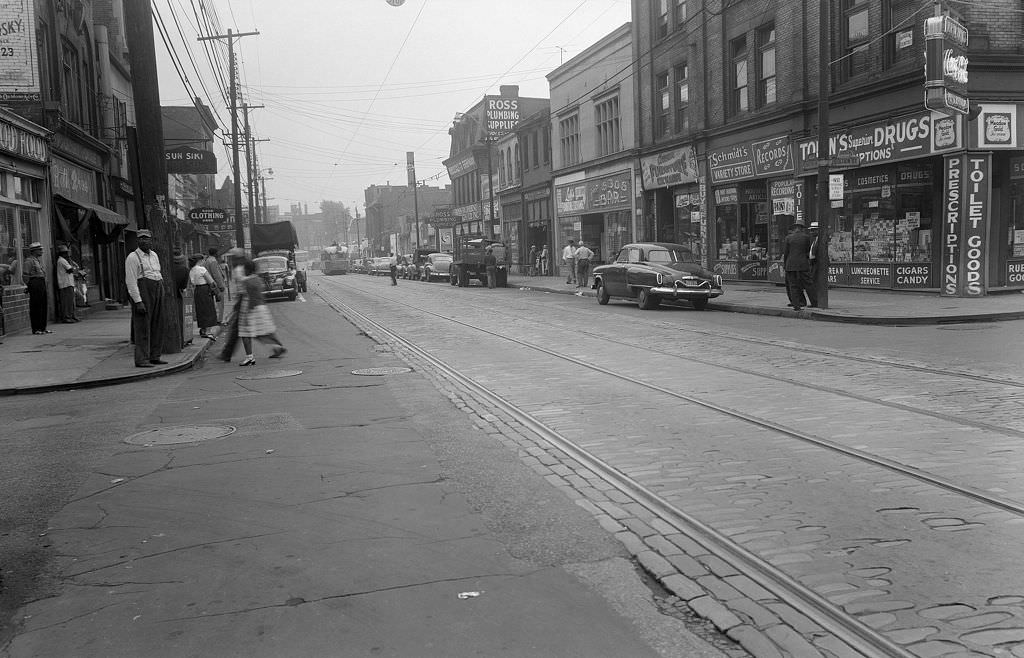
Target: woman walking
(205,294)
(254,319)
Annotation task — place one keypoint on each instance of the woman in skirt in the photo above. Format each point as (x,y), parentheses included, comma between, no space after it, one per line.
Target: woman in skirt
(205,296)
(254,319)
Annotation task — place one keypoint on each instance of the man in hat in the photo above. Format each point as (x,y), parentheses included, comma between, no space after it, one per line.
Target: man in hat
(144,280)
(795,256)
(35,281)
(812,256)
(66,271)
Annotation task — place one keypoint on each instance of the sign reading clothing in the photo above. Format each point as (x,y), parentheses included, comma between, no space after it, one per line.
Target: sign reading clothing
(612,192)
(965,209)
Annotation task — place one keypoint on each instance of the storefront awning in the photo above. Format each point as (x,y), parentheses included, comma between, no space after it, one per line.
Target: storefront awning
(105,215)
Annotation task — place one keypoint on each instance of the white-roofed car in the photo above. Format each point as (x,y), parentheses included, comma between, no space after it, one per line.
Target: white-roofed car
(436,266)
(278,277)
(652,272)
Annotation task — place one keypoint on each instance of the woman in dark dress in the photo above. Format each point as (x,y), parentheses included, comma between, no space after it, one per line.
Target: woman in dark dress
(205,296)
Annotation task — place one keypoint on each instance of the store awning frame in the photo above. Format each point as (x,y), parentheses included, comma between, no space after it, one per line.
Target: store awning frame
(105,215)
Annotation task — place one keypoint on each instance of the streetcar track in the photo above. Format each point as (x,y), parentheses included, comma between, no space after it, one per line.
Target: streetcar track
(817,608)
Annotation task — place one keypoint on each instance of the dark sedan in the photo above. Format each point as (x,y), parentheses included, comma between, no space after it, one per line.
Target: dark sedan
(650,272)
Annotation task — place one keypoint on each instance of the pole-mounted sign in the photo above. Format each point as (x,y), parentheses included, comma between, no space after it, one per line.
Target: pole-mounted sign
(945,85)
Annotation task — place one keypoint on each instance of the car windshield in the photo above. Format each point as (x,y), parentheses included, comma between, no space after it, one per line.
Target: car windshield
(442,257)
(271,264)
(670,256)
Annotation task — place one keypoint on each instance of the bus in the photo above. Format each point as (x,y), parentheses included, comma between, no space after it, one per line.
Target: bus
(334,260)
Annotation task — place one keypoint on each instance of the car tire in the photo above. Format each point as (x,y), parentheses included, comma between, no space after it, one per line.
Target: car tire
(700,304)
(602,294)
(646,301)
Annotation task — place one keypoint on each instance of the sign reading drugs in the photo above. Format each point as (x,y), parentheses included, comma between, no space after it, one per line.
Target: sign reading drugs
(945,85)
(501,114)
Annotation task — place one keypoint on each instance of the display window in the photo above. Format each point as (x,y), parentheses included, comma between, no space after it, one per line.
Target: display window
(687,222)
(742,217)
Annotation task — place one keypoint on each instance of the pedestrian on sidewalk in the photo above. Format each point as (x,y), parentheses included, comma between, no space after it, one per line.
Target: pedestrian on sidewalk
(491,265)
(255,320)
(393,268)
(569,260)
(531,261)
(205,296)
(583,255)
(797,263)
(66,271)
(35,281)
(543,258)
(213,266)
(145,283)
(236,267)
(812,275)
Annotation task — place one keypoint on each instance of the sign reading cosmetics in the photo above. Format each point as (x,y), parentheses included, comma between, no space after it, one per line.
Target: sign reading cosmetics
(965,208)
(607,193)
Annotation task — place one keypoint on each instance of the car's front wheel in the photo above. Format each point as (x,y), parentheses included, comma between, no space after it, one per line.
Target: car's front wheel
(646,300)
(602,294)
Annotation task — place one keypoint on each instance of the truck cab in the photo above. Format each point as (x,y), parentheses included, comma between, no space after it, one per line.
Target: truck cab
(468,260)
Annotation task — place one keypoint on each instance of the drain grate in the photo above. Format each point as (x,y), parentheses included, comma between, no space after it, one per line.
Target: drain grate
(270,374)
(162,436)
(390,370)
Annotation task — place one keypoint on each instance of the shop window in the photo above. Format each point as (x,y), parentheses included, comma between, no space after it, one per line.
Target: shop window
(662,104)
(569,139)
(10,262)
(1015,235)
(856,37)
(687,223)
(660,18)
(727,232)
(606,121)
(766,66)
(739,98)
(900,33)
(682,80)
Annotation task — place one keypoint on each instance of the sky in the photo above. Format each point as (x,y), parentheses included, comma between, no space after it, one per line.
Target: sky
(349,86)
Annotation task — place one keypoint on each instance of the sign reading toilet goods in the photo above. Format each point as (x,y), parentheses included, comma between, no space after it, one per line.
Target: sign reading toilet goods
(501,114)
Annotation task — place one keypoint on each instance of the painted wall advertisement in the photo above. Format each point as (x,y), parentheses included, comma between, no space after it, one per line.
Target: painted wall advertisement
(607,193)
(19,66)
(964,229)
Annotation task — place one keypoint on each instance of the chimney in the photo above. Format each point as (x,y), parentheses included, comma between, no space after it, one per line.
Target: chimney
(509,90)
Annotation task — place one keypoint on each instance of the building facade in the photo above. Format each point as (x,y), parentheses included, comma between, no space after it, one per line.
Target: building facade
(593,143)
(524,187)
(732,97)
(391,217)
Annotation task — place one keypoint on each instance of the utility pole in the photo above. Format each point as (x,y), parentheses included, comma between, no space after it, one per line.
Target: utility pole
(359,240)
(230,36)
(263,184)
(824,152)
(150,156)
(411,163)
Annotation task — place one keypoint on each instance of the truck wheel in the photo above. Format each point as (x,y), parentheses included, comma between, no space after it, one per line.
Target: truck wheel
(463,277)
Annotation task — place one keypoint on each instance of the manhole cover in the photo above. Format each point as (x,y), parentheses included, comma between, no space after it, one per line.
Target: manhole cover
(162,436)
(391,370)
(271,374)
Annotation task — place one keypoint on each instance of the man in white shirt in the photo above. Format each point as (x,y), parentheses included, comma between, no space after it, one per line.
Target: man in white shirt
(569,258)
(583,255)
(66,271)
(144,281)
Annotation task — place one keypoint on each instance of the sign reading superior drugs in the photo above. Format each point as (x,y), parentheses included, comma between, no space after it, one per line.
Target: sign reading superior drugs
(19,68)
(501,114)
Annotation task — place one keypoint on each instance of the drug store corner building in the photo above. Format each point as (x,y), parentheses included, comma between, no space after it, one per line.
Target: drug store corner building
(919,201)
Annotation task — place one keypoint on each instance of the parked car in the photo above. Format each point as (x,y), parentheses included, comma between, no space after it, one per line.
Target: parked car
(436,266)
(381,266)
(650,272)
(278,277)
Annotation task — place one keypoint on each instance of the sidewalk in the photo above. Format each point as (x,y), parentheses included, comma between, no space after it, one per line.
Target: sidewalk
(97,352)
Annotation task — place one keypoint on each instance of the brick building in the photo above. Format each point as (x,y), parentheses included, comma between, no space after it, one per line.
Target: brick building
(728,123)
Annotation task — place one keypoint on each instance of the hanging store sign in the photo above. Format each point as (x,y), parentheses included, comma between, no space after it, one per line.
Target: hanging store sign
(19,64)
(997,126)
(945,84)
(443,218)
(207,216)
(501,114)
(187,160)
(668,168)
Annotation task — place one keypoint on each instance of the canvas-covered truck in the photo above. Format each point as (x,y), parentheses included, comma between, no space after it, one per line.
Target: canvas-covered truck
(468,260)
(273,250)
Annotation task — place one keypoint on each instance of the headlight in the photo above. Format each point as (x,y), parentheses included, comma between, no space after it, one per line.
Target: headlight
(717,280)
(659,278)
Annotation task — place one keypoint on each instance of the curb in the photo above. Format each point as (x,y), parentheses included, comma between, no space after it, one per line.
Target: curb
(111,381)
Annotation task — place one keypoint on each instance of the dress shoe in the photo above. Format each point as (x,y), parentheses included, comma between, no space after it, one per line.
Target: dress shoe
(143,365)
(158,362)
(249,361)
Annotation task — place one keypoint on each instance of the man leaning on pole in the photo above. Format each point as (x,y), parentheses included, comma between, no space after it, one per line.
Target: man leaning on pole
(144,280)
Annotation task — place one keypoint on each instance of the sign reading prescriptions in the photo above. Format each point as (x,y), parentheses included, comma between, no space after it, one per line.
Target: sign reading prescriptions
(501,114)
(19,68)
(965,207)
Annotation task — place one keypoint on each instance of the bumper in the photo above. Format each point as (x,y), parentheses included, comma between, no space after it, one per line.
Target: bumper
(280,293)
(682,292)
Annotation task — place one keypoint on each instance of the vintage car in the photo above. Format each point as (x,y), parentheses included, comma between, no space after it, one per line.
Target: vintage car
(380,266)
(650,272)
(278,277)
(436,266)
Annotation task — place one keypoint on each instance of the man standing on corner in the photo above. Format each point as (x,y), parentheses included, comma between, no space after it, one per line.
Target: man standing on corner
(35,280)
(569,258)
(795,255)
(491,265)
(583,255)
(145,285)
(393,267)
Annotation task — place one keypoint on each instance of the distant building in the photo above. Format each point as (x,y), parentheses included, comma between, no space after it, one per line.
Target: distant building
(391,217)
